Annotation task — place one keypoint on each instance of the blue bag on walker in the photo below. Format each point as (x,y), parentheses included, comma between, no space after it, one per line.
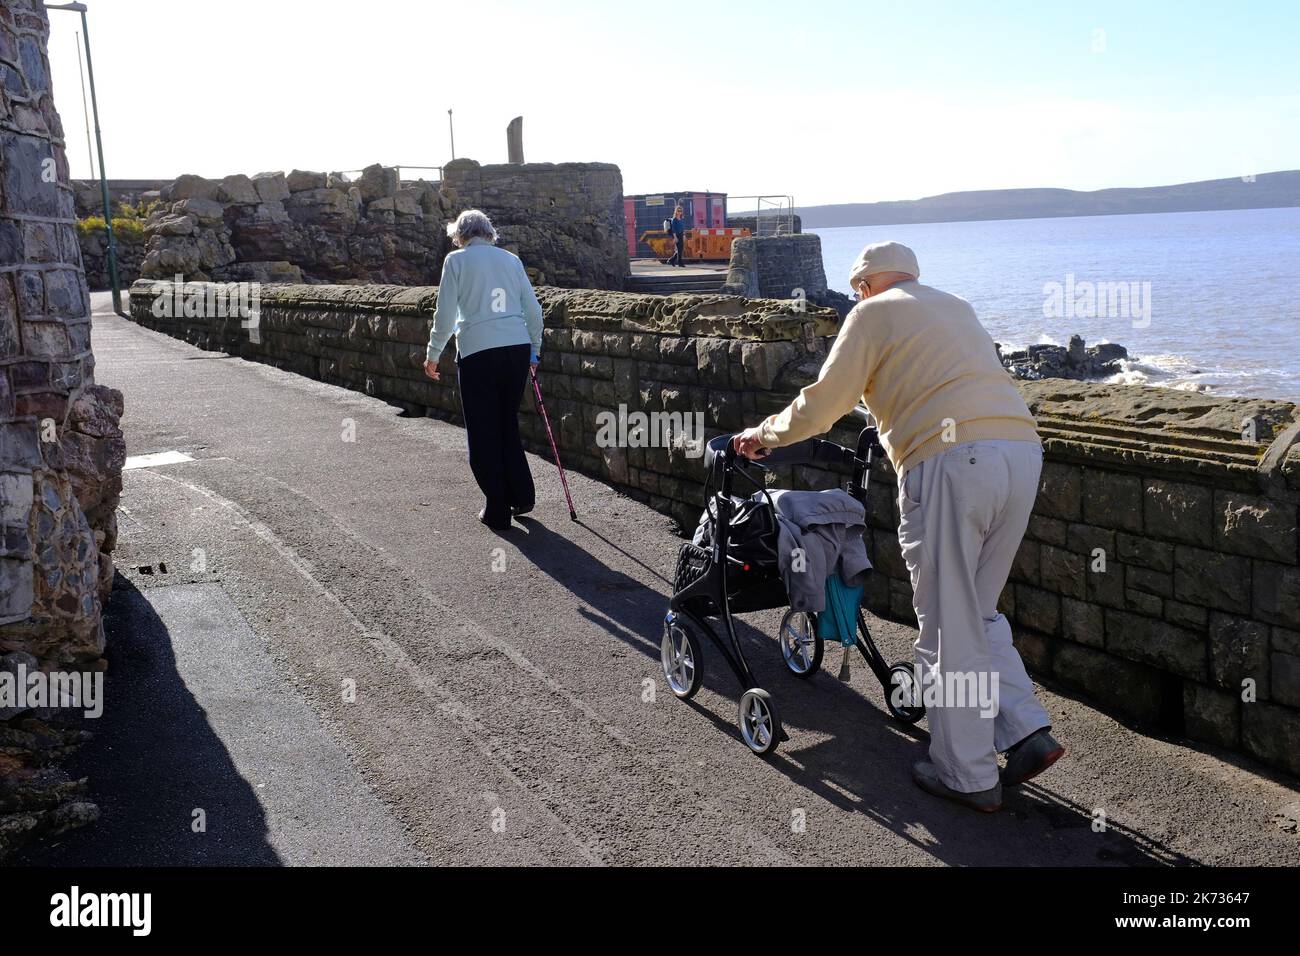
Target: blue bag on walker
(840,619)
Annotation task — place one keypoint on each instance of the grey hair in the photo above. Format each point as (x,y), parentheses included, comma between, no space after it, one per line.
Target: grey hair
(471,224)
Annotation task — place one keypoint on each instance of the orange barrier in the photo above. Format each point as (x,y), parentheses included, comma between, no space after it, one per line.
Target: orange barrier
(701,244)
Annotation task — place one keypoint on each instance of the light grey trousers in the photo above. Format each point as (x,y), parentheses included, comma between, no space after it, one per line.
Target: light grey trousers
(964,512)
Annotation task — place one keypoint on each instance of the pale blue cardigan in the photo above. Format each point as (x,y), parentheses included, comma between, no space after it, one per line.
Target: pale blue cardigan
(486,301)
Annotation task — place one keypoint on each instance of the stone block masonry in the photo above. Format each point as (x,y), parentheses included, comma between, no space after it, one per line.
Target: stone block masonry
(61,450)
(564,220)
(1160,575)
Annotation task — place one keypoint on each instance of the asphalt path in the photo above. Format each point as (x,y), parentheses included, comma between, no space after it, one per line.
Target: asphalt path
(313,640)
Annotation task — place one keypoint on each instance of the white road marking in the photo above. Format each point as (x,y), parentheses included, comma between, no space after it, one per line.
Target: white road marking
(155,459)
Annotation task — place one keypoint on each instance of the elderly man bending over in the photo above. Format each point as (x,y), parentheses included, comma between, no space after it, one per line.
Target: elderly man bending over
(968,460)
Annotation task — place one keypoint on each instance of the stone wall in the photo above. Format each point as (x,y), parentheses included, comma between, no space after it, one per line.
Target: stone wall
(61,450)
(94,255)
(1198,587)
(565,220)
(300,227)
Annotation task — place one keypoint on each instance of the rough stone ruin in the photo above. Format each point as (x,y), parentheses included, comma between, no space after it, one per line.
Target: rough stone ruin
(564,220)
(300,227)
(61,449)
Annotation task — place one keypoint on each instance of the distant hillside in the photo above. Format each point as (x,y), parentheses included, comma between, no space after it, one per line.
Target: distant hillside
(1267,191)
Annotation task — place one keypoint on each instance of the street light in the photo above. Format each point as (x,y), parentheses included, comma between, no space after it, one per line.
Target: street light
(99,145)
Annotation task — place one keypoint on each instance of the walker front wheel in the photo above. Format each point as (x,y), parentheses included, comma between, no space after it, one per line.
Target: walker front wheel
(760,728)
(680,655)
(801,645)
(903,694)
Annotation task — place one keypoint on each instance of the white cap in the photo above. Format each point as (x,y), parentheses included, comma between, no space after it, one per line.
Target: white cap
(883,257)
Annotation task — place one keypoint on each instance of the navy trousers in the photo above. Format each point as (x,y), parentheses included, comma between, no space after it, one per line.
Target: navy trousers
(491,386)
(679,242)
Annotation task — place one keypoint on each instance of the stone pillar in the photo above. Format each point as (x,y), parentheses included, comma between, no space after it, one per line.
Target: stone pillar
(742,273)
(61,451)
(515,140)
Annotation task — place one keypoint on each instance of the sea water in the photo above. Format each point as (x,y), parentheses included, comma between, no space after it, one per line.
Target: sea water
(1205,301)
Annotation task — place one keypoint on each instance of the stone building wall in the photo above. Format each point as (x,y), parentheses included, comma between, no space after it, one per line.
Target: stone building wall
(565,220)
(61,450)
(1200,586)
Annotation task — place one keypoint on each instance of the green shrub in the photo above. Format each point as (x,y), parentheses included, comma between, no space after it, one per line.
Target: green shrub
(124,230)
(141,211)
(128,230)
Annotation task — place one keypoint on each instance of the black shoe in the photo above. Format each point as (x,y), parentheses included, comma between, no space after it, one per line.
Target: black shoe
(517,511)
(495,526)
(926,776)
(1031,757)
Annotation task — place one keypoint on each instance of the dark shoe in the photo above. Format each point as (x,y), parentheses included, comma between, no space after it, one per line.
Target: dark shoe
(926,776)
(1031,757)
(494,525)
(516,510)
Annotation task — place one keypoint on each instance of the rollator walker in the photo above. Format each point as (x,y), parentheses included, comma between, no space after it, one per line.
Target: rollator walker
(714,583)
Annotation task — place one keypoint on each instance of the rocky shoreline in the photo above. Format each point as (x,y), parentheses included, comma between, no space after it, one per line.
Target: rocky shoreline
(1074,361)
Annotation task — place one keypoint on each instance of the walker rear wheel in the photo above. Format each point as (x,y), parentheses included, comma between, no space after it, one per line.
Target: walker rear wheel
(760,728)
(903,694)
(680,655)
(801,645)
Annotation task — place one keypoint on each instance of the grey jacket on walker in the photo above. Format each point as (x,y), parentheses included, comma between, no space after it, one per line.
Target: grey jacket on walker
(743,566)
(816,531)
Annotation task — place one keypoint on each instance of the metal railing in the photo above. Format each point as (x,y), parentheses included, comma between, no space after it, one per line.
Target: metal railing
(773,213)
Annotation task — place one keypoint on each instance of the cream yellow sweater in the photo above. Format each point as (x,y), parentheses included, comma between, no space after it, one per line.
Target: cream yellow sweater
(925,367)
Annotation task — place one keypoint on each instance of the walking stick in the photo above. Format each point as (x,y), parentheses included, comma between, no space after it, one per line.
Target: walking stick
(541,407)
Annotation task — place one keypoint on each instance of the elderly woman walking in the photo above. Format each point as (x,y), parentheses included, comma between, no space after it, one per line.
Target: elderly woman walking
(487,302)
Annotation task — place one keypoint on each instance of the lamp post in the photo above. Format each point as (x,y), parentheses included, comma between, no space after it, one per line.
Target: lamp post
(452,129)
(99,146)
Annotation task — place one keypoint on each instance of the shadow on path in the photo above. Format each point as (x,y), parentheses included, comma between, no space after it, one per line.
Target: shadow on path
(861,759)
(154,759)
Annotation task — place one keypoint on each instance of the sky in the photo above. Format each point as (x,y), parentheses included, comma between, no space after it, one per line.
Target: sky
(825,101)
